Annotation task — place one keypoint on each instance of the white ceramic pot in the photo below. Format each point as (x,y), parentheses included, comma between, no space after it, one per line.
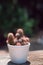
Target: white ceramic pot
(18,54)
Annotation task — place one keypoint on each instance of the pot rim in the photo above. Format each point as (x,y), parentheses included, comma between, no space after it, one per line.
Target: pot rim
(19,46)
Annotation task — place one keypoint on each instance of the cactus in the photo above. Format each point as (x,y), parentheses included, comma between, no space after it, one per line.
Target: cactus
(19,38)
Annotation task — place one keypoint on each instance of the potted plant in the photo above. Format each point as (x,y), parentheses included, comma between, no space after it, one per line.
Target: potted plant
(18,46)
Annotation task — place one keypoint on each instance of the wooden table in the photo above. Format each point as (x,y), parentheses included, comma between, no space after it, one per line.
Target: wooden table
(34,58)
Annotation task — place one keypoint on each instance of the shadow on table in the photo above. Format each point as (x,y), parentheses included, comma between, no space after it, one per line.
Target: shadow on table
(26,63)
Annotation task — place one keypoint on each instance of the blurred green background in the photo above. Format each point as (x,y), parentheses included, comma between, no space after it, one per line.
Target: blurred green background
(18,14)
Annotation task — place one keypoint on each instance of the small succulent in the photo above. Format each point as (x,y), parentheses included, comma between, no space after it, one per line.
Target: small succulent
(10,38)
(19,38)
